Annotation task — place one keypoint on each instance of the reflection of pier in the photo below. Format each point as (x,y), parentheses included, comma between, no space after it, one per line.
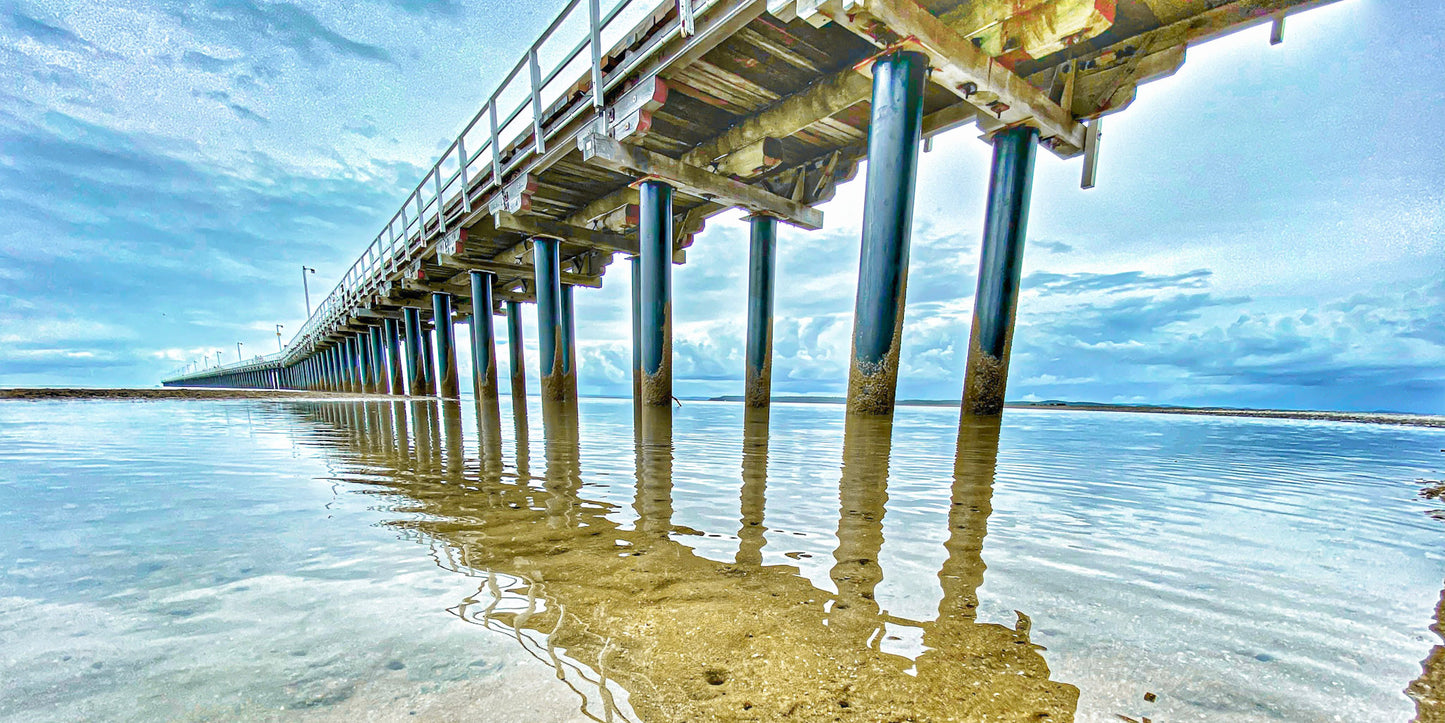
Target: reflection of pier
(689,637)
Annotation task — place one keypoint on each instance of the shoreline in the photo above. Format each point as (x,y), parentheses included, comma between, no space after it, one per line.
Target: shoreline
(81,393)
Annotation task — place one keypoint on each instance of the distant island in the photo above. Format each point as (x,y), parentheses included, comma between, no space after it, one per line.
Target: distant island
(1415,420)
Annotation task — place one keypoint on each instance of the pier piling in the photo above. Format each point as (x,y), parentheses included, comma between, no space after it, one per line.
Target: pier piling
(363,361)
(635,265)
(893,139)
(429,364)
(446,369)
(379,380)
(762,242)
(569,342)
(416,362)
(518,355)
(655,242)
(995,304)
(393,352)
(558,384)
(484,340)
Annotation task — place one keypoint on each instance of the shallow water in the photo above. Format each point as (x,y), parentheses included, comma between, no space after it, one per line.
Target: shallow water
(190,560)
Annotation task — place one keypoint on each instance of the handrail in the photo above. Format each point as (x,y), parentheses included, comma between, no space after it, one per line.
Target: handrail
(258,360)
(418,208)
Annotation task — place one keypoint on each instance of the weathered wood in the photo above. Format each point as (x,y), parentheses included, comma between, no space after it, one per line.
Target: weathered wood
(611,154)
(977,78)
(498,267)
(1108,78)
(753,159)
(788,116)
(575,235)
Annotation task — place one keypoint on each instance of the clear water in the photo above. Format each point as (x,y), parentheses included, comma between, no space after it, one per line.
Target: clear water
(192,560)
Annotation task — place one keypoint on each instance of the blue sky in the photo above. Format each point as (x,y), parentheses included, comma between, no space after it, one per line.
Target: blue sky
(1268,230)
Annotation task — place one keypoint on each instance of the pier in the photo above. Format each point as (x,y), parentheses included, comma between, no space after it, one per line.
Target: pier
(621,132)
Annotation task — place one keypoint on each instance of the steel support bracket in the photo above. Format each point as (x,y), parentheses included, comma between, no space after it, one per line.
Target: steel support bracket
(453,243)
(513,197)
(630,115)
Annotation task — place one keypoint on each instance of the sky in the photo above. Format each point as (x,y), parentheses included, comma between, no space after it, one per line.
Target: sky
(1268,228)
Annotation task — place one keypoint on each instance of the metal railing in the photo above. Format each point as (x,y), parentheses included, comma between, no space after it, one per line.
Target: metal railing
(259,360)
(451,178)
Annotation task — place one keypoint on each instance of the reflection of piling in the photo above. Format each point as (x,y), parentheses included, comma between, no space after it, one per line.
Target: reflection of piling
(653,502)
(522,436)
(387,428)
(893,135)
(974,464)
(421,432)
(995,304)
(752,535)
(863,497)
(451,412)
(489,439)
(563,479)
(399,423)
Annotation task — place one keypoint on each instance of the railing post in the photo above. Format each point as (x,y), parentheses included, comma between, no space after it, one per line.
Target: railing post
(536,74)
(594,20)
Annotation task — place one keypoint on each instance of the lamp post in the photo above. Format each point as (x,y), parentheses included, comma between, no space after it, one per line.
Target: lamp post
(238,352)
(306,289)
(279,348)
(218,358)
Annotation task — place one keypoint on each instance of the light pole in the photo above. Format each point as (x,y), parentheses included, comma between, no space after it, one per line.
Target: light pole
(218,358)
(279,327)
(306,289)
(238,352)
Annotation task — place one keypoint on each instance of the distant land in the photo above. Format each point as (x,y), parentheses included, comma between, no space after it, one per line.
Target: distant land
(1415,420)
